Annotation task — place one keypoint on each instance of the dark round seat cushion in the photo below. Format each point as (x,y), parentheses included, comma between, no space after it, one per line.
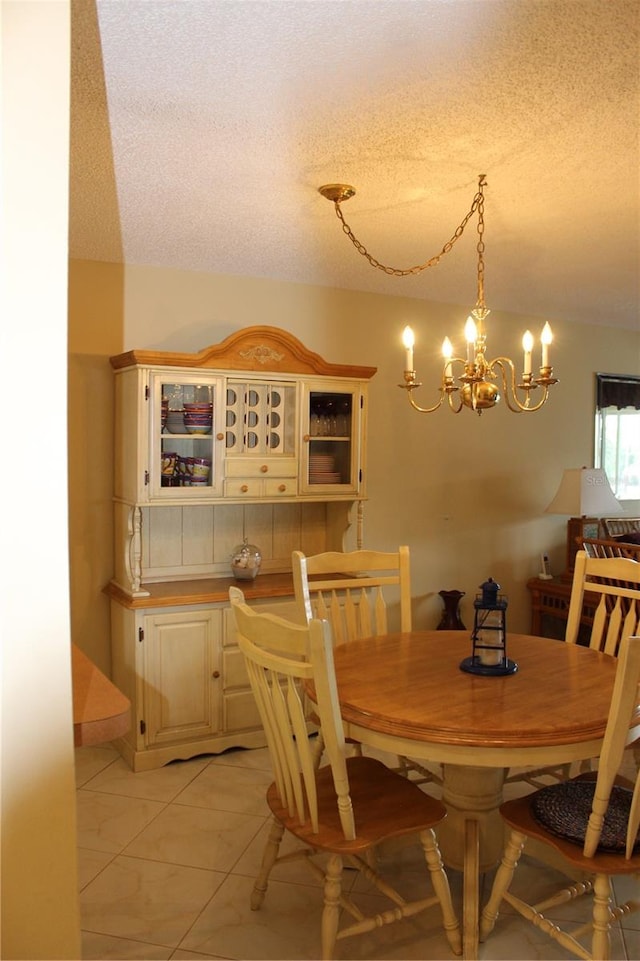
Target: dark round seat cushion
(564,810)
(631,537)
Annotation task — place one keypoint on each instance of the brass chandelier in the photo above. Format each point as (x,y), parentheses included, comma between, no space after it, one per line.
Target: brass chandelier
(480,380)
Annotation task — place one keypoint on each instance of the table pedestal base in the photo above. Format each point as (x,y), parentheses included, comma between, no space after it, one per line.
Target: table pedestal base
(471,836)
(472,792)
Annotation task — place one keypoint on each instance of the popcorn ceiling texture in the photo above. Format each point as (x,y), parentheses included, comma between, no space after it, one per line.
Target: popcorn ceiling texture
(202,129)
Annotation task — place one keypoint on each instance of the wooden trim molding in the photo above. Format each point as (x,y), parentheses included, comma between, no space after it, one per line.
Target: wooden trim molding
(210,590)
(253,349)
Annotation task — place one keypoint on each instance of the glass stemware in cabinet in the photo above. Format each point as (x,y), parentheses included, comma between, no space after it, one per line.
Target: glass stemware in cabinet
(314,423)
(322,421)
(331,419)
(343,419)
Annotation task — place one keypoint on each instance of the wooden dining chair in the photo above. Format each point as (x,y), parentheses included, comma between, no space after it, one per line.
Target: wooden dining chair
(612,584)
(343,810)
(348,590)
(597,547)
(619,526)
(592,821)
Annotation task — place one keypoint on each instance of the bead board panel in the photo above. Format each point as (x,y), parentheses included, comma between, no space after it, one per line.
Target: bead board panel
(162,538)
(197,535)
(179,543)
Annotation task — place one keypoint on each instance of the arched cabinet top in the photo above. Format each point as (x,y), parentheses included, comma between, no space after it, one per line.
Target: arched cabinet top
(260,348)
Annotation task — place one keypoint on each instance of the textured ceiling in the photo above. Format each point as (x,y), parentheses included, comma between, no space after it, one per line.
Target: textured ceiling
(201,130)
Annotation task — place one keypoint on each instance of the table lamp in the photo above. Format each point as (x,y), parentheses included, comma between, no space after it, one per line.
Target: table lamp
(584,493)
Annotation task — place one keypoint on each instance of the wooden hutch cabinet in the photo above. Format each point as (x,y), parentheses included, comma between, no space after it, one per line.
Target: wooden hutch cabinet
(256,438)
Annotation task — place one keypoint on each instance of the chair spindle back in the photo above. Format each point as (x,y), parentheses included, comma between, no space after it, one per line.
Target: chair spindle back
(624,714)
(281,657)
(614,584)
(347,589)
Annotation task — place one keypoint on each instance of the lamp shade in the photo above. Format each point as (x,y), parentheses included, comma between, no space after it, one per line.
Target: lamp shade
(585,492)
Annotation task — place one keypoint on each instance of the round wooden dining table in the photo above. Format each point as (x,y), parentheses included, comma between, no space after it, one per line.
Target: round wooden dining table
(405,693)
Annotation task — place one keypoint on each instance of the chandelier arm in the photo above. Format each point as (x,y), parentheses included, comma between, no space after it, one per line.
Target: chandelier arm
(478,202)
(423,410)
(504,362)
(534,407)
(455,408)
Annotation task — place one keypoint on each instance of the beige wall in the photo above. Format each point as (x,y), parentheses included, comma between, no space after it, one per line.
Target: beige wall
(40,916)
(95,334)
(467,493)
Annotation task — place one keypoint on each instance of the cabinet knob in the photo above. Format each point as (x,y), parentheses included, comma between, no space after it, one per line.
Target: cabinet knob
(216,674)
(244,488)
(282,487)
(219,436)
(264,468)
(307,438)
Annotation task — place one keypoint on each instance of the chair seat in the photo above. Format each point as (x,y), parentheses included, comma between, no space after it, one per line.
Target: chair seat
(375,791)
(564,809)
(519,815)
(580,816)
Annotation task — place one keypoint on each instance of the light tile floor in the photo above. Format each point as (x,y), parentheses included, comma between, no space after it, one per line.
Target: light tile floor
(167,860)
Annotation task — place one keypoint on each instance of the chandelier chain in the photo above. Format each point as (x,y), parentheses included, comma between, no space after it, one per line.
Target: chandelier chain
(480,381)
(480,244)
(478,204)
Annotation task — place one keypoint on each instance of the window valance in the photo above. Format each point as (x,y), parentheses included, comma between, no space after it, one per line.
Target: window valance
(617,390)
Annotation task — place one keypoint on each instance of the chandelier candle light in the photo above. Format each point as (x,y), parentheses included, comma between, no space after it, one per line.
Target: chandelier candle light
(478,389)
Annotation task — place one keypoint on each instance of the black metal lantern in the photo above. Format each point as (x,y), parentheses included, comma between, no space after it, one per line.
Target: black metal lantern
(489,636)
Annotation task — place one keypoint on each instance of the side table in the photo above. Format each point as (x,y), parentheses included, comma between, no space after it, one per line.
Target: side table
(550,608)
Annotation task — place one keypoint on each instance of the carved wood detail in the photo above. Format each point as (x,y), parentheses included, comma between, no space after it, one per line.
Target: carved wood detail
(257,348)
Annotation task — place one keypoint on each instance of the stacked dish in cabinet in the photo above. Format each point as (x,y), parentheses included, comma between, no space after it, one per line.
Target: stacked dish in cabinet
(322,469)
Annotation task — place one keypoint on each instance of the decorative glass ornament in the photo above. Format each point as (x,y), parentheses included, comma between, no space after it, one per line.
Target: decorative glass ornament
(245,561)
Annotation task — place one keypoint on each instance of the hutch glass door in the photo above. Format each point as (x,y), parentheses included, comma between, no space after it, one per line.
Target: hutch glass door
(186,440)
(331,432)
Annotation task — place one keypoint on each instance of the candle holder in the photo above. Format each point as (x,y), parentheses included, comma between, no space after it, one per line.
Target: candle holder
(489,635)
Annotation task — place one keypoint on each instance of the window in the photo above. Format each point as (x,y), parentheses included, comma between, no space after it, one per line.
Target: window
(617,441)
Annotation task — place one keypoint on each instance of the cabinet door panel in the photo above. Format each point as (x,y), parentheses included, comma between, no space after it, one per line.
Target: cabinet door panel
(240,712)
(234,670)
(181,698)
